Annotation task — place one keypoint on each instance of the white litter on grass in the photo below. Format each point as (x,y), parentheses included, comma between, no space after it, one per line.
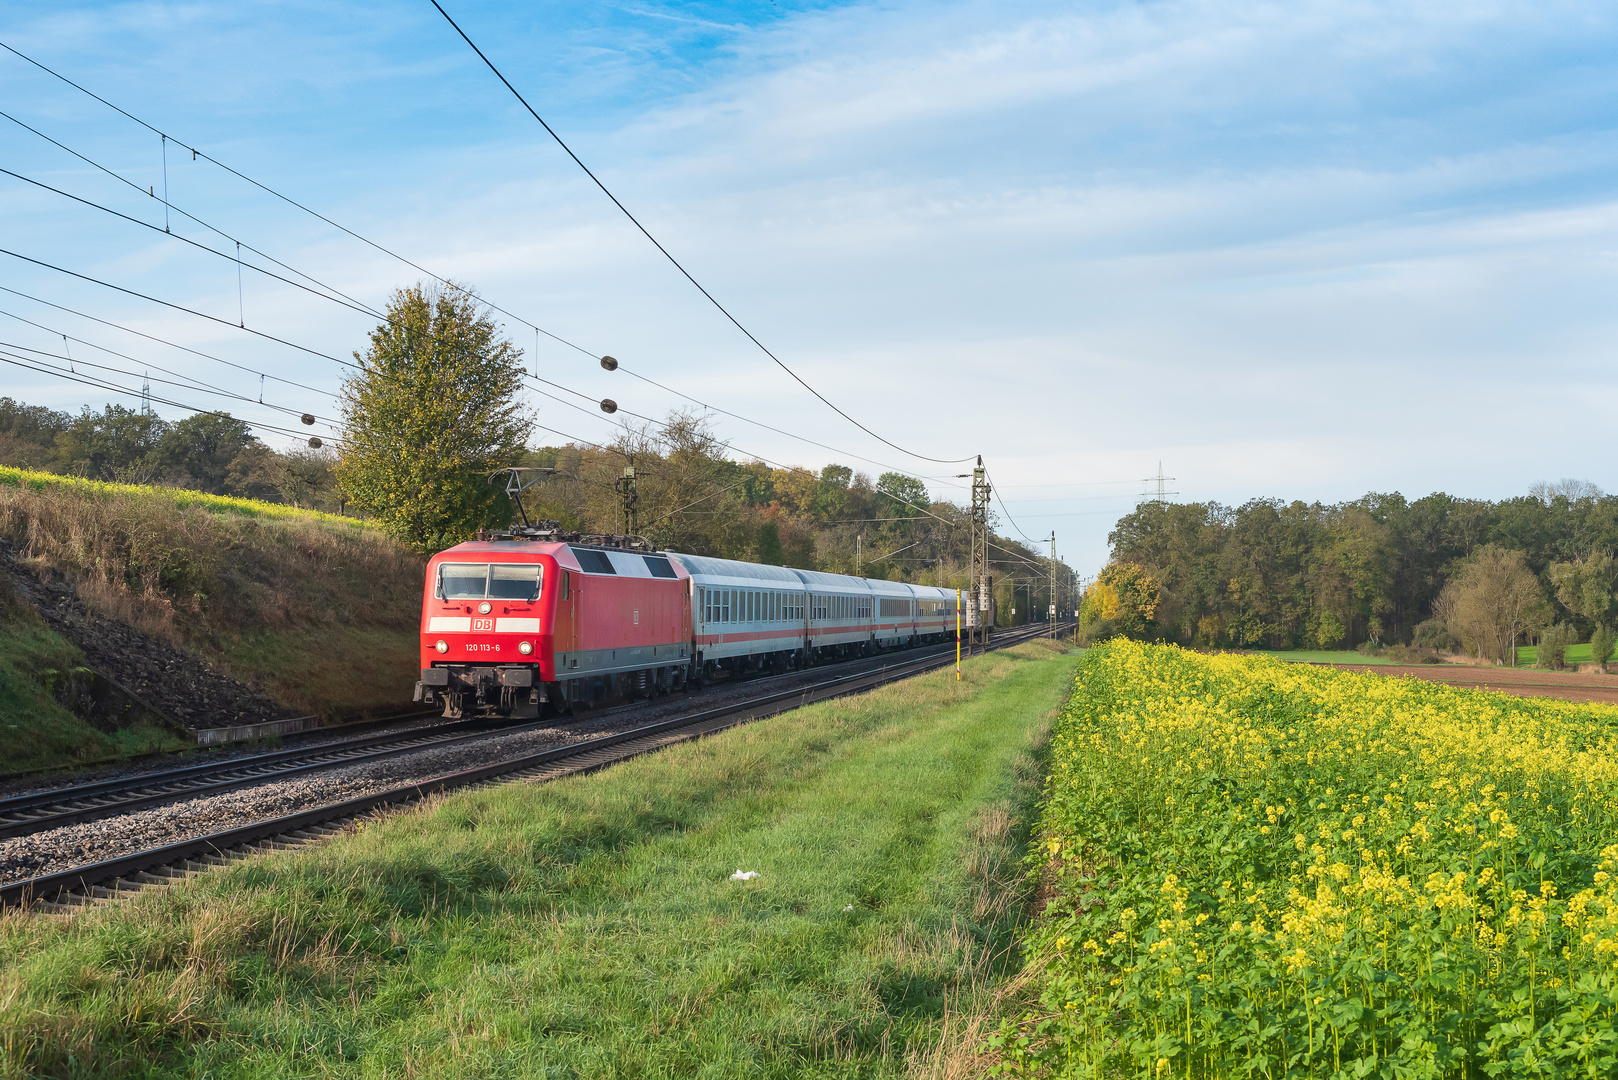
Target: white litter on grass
(744,875)
(850,907)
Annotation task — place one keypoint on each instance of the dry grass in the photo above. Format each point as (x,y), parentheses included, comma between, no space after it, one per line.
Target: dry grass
(242,590)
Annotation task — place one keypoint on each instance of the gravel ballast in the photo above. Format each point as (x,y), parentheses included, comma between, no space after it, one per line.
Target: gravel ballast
(61,849)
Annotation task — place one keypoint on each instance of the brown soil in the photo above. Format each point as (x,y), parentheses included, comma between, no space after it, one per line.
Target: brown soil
(1524,682)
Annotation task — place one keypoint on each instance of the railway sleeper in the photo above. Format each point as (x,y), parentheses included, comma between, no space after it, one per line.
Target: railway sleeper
(652,681)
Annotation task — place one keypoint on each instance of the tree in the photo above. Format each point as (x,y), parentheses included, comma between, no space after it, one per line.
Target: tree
(1123,599)
(1601,645)
(114,444)
(199,450)
(909,495)
(1495,600)
(304,477)
(434,409)
(1585,586)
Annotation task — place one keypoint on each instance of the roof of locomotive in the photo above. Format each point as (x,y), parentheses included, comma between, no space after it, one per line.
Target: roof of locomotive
(487,548)
(631,564)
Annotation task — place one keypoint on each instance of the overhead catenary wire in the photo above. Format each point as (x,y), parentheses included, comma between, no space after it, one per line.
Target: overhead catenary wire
(670,257)
(205,156)
(770,427)
(351,301)
(25,362)
(996,489)
(337,293)
(178,307)
(200,246)
(150,337)
(188,383)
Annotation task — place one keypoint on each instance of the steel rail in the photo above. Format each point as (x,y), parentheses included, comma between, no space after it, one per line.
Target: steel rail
(25,815)
(40,811)
(129,873)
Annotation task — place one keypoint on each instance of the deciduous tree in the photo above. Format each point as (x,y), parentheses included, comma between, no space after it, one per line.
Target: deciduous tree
(1495,601)
(434,409)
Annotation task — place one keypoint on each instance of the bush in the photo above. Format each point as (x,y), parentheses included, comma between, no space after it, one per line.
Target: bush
(1553,643)
(1601,645)
(1094,631)
(1435,634)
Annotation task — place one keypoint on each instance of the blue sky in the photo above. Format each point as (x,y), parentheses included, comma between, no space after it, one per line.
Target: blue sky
(1304,250)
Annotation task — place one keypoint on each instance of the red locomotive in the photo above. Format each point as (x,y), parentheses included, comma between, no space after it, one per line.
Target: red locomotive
(538,617)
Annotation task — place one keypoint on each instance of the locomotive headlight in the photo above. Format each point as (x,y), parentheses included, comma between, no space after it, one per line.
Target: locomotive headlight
(525,648)
(485,607)
(442,646)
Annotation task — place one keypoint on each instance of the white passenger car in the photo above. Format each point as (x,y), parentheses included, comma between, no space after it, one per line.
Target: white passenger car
(745,615)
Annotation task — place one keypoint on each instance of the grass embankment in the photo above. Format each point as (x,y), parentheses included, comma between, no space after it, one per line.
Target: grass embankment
(36,731)
(589,927)
(1270,870)
(318,611)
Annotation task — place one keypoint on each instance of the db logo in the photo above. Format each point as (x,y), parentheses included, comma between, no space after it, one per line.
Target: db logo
(482,624)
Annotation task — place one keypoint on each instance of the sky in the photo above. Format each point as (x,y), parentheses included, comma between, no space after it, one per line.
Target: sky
(1301,251)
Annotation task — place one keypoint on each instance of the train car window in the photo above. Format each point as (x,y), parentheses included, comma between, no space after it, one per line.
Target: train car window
(595,562)
(659,566)
(567,583)
(514,581)
(462,581)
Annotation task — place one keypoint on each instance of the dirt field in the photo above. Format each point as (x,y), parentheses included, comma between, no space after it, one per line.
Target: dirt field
(1523,682)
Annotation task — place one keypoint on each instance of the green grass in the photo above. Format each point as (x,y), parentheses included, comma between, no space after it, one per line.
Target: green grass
(340,670)
(1321,656)
(589,927)
(1528,655)
(222,504)
(37,732)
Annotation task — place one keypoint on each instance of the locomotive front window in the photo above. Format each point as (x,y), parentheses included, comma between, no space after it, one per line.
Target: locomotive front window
(514,581)
(481,581)
(463,581)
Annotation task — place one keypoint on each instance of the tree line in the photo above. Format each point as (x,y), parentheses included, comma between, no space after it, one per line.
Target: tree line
(206,452)
(1439,572)
(436,406)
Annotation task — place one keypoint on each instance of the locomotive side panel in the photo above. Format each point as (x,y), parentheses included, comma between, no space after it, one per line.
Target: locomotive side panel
(629,615)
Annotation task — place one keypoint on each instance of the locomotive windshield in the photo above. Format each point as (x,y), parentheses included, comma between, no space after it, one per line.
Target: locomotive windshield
(485,581)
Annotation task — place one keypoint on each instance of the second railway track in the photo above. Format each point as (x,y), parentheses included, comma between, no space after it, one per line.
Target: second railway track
(67,889)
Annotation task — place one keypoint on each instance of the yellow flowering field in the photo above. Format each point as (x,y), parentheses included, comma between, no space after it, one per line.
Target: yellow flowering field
(1261,869)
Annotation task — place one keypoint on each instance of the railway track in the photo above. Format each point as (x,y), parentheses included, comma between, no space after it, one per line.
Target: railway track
(22,815)
(69,890)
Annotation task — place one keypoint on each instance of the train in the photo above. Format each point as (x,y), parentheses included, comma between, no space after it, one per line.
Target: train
(520,623)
